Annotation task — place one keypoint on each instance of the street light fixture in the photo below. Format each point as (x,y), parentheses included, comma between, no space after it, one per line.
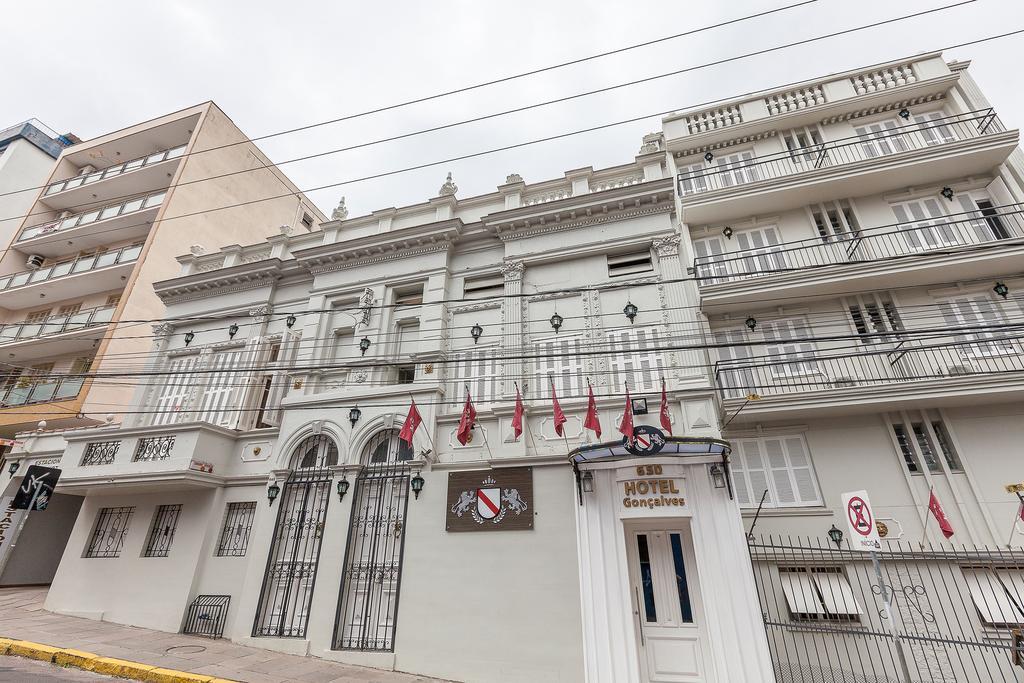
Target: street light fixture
(1001,289)
(476,332)
(290,320)
(343,485)
(717,475)
(233,330)
(13,467)
(556,322)
(630,311)
(416,484)
(947,192)
(836,535)
(272,491)
(189,336)
(751,323)
(354,415)
(364,345)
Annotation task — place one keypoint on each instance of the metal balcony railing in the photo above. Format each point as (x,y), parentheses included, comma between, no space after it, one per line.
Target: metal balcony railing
(120,169)
(86,217)
(740,169)
(80,264)
(23,392)
(55,324)
(897,361)
(962,229)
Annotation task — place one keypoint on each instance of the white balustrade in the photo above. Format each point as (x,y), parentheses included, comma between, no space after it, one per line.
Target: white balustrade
(883,79)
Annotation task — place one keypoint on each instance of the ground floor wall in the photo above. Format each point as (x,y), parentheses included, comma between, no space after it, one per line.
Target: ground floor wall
(40,543)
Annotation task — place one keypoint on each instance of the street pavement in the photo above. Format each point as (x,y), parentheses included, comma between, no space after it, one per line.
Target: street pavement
(22,616)
(21,670)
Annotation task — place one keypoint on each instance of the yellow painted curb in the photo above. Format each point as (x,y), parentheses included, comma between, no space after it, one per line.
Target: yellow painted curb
(120,667)
(172,676)
(5,645)
(24,648)
(75,658)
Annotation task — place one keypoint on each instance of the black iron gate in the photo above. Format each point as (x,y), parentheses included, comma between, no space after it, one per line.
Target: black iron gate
(368,604)
(287,591)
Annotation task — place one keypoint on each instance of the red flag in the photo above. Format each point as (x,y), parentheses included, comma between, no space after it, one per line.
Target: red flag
(626,426)
(592,422)
(467,421)
(412,422)
(517,416)
(666,419)
(940,516)
(559,415)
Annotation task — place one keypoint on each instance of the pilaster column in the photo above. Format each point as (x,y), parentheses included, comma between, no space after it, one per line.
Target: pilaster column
(676,298)
(142,398)
(512,325)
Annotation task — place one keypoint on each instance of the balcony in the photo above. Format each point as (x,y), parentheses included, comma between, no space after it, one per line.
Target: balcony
(68,279)
(142,175)
(961,246)
(884,376)
(89,229)
(912,153)
(64,334)
(25,392)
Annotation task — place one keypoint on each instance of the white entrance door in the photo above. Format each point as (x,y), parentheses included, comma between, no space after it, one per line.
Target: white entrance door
(666,606)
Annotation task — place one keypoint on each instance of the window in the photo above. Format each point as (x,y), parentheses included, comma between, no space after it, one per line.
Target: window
(108,535)
(882,138)
(992,220)
(175,387)
(161,534)
(819,593)
(38,316)
(802,146)
(113,300)
(693,178)
(834,221)
(385,447)
(407,344)
(925,225)
(934,127)
(560,359)
(80,366)
(630,264)
(711,261)
(224,385)
(980,313)
(480,368)
(779,465)
(635,359)
(316,451)
(307,221)
(483,287)
(946,446)
(997,594)
(873,318)
(929,451)
(69,309)
(409,297)
(788,356)
(234,535)
(761,251)
(738,168)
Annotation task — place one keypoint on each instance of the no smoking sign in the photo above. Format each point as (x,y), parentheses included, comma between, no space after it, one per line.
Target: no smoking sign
(860,519)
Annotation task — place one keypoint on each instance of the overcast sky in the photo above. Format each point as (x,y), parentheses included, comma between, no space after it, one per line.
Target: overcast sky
(91,68)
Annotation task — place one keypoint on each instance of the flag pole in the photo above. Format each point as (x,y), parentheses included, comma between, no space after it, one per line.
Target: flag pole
(483,433)
(426,431)
(526,423)
(1013,529)
(928,514)
(564,440)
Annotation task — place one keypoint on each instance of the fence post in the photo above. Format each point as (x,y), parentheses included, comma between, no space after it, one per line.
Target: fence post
(886,593)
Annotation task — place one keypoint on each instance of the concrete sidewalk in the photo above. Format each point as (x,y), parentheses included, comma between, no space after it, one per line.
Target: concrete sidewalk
(22,616)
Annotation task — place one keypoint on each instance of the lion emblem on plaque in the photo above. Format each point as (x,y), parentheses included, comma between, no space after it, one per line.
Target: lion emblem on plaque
(489,503)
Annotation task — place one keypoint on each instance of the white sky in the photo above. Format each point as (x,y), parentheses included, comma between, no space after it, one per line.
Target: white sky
(274,65)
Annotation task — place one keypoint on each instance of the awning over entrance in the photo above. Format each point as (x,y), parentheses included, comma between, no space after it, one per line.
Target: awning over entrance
(650,443)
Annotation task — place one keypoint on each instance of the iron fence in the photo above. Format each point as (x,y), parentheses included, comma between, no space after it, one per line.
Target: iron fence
(153,448)
(924,614)
(100,453)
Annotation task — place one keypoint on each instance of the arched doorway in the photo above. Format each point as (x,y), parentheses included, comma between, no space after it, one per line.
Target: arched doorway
(368,603)
(287,591)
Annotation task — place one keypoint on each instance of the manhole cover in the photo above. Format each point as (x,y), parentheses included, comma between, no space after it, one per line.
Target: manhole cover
(185,649)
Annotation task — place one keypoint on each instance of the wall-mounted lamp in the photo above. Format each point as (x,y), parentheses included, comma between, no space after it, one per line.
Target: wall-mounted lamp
(13,467)
(272,491)
(290,321)
(476,332)
(556,322)
(416,483)
(751,323)
(354,415)
(189,336)
(836,536)
(947,192)
(1001,289)
(233,330)
(630,311)
(717,475)
(364,345)
(587,482)
(727,231)
(708,156)
(342,488)
(905,114)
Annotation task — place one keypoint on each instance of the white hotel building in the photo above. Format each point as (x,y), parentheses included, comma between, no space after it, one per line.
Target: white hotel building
(826,277)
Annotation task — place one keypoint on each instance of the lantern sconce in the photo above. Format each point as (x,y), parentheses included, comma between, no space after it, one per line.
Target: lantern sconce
(354,415)
(416,483)
(233,330)
(708,157)
(1001,289)
(947,192)
(13,467)
(290,321)
(717,475)
(587,482)
(905,114)
(556,322)
(727,231)
(751,323)
(476,332)
(836,536)
(343,485)
(630,311)
(272,491)
(364,345)
(189,336)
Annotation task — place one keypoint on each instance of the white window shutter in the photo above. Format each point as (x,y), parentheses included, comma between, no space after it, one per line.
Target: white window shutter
(280,382)
(739,479)
(805,486)
(780,474)
(174,390)
(757,474)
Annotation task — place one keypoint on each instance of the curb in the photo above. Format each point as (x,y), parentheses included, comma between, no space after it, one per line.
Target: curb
(87,661)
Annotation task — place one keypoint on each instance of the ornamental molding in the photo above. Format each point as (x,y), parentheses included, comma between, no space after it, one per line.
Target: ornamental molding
(162,330)
(550,296)
(472,308)
(667,246)
(543,227)
(217,287)
(263,311)
(378,248)
(321,266)
(513,270)
(882,108)
(732,142)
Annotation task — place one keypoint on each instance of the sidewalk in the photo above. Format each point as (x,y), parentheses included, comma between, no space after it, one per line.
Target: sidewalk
(22,616)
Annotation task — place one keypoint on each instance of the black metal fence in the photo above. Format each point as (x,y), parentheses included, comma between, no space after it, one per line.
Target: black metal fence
(206,616)
(922,614)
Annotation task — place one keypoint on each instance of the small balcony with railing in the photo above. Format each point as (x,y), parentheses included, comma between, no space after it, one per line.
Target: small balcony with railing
(985,364)
(64,334)
(82,275)
(48,389)
(122,220)
(961,246)
(142,175)
(918,151)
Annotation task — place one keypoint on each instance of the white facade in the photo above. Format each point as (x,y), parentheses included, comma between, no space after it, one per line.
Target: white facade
(814,273)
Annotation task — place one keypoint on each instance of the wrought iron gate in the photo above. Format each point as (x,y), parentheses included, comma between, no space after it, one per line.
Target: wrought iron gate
(287,591)
(951,618)
(368,604)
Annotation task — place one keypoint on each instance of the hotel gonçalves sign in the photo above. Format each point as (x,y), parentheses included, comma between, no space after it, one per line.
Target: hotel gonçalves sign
(490,500)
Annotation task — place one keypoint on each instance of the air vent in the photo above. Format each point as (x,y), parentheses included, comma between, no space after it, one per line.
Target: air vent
(630,264)
(35,261)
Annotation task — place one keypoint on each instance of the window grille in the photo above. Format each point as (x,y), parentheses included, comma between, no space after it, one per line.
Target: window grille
(153,448)
(100,452)
(630,264)
(819,593)
(108,535)
(161,534)
(781,465)
(234,536)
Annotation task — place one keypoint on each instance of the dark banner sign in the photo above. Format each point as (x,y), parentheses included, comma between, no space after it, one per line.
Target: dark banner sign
(36,488)
(490,500)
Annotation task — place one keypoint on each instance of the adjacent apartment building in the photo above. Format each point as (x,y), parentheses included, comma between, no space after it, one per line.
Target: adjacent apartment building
(27,153)
(806,292)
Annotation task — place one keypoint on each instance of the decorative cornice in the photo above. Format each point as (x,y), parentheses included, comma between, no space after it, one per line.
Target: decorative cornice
(262,311)
(479,306)
(732,142)
(397,244)
(215,283)
(512,232)
(888,106)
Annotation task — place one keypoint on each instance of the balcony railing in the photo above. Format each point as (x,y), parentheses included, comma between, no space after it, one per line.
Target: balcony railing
(743,168)
(888,241)
(56,324)
(77,265)
(120,169)
(24,392)
(87,217)
(899,361)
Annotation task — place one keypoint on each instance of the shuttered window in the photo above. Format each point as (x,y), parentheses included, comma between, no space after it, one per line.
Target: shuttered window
(174,389)
(925,225)
(733,354)
(997,594)
(737,169)
(692,178)
(983,314)
(710,259)
(480,368)
(780,465)
(277,382)
(819,593)
(933,129)
(761,250)
(560,359)
(882,138)
(789,355)
(635,359)
(222,382)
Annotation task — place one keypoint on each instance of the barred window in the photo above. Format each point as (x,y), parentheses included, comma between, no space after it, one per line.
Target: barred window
(108,535)
(234,536)
(161,534)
